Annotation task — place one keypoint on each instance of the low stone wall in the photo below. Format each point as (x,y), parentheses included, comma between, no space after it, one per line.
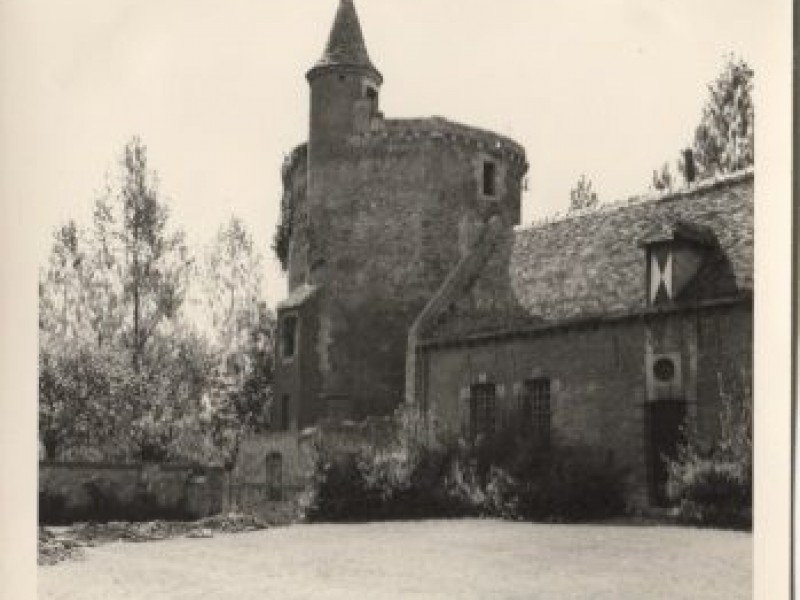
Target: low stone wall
(273,469)
(86,491)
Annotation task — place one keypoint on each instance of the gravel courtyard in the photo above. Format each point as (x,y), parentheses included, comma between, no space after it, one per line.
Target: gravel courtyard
(465,559)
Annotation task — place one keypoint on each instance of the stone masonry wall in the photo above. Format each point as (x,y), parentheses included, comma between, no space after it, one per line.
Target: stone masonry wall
(395,216)
(174,487)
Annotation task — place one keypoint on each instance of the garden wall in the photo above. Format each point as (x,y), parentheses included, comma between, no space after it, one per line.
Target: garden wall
(82,491)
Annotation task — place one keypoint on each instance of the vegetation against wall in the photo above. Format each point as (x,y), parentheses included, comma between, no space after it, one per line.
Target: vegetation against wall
(423,475)
(713,483)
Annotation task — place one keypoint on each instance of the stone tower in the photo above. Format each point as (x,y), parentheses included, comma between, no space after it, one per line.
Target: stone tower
(376,212)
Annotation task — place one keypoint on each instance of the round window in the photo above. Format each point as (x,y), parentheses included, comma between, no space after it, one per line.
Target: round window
(664,369)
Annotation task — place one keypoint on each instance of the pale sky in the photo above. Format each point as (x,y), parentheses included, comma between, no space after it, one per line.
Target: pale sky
(609,88)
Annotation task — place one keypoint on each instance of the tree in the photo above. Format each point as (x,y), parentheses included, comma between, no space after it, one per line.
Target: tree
(63,283)
(662,180)
(242,329)
(582,196)
(86,401)
(724,139)
(108,307)
(155,260)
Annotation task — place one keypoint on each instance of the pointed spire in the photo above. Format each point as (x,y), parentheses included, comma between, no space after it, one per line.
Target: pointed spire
(346,45)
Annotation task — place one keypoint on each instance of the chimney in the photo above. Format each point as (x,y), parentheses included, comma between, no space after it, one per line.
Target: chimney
(688,166)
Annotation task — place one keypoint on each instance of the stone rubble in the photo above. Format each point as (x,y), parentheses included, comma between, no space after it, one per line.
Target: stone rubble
(58,544)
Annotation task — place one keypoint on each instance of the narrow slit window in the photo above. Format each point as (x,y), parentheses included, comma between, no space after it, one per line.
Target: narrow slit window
(289,336)
(489,176)
(285,402)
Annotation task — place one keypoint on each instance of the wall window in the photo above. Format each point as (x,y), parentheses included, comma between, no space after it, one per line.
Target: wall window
(288,336)
(535,409)
(371,93)
(274,476)
(482,410)
(489,178)
(283,417)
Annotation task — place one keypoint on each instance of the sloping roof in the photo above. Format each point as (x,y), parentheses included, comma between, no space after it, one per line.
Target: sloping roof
(299,296)
(593,264)
(345,45)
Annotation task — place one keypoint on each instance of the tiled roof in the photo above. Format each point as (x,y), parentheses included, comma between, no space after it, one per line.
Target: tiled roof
(593,264)
(346,45)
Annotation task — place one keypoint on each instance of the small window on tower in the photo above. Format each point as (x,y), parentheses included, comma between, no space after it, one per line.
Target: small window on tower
(371,93)
(489,175)
(288,336)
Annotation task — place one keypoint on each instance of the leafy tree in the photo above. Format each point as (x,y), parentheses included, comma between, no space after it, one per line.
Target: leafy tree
(155,261)
(724,139)
(242,327)
(126,371)
(86,401)
(662,180)
(232,278)
(582,196)
(110,296)
(62,284)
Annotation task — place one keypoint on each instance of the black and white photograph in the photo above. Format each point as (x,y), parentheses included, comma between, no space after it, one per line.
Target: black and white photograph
(342,299)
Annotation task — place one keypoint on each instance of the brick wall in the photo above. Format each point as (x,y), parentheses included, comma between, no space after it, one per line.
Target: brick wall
(597,376)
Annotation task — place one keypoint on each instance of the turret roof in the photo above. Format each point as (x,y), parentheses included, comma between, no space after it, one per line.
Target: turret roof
(346,45)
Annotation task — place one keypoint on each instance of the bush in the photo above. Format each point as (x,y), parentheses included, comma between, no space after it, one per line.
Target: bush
(713,483)
(401,482)
(553,482)
(505,476)
(715,493)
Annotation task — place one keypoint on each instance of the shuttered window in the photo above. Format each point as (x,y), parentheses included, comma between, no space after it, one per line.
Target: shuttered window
(482,410)
(535,409)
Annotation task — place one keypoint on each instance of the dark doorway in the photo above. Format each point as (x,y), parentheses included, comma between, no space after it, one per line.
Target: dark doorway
(664,427)
(274,476)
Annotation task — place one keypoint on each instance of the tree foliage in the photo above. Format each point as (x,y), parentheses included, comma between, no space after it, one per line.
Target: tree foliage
(242,330)
(126,371)
(724,139)
(582,196)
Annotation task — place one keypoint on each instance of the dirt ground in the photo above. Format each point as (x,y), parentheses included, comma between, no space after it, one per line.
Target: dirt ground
(467,559)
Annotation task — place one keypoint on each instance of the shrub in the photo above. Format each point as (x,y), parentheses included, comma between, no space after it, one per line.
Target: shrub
(400,482)
(505,475)
(553,482)
(712,483)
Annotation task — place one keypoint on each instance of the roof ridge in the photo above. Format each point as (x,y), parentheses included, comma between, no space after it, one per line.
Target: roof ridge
(642,199)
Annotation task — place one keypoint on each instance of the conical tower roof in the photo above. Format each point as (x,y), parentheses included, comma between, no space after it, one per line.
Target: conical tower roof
(346,47)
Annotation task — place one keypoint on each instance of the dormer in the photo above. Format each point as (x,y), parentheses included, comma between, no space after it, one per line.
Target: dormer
(675,253)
